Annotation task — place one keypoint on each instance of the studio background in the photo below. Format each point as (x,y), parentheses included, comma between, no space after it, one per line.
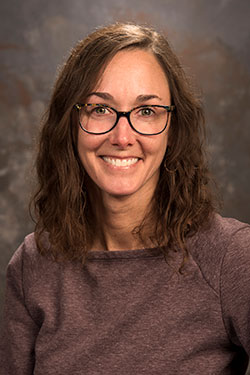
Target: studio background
(212,39)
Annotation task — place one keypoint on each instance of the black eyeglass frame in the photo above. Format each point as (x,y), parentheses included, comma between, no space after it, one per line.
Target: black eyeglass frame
(120,114)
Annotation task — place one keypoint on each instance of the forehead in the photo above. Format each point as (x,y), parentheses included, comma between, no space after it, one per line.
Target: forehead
(134,72)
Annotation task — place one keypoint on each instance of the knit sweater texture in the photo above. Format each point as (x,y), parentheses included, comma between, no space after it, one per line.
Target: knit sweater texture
(130,312)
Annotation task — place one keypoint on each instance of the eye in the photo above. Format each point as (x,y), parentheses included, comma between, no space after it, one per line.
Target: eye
(146,111)
(100,110)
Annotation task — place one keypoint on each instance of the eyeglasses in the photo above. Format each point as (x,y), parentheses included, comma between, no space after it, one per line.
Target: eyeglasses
(145,119)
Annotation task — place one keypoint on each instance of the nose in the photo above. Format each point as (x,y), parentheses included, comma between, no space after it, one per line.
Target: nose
(122,135)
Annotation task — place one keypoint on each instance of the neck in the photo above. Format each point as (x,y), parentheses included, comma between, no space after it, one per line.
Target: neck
(117,218)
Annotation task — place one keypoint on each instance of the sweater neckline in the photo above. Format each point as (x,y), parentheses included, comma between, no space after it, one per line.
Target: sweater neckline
(125,254)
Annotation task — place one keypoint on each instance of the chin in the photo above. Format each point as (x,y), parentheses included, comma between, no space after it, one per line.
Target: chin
(117,194)
(120,191)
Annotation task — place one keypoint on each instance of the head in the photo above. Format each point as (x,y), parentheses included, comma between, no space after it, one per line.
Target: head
(182,171)
(81,73)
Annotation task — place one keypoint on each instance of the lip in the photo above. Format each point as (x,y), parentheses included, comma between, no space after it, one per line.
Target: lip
(120,162)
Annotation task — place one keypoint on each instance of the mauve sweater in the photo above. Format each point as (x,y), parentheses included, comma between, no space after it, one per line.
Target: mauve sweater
(129,312)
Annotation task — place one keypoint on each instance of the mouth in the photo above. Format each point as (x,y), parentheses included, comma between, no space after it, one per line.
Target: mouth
(126,162)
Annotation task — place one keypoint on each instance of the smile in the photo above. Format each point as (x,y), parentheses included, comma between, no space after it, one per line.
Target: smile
(120,162)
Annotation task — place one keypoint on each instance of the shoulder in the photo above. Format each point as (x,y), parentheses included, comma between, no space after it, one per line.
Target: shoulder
(27,265)
(217,237)
(219,247)
(26,252)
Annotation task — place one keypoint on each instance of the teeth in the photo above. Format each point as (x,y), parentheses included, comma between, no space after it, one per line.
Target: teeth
(120,162)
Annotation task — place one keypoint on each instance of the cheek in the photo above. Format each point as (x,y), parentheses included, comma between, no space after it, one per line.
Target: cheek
(81,147)
(159,146)
(87,147)
(84,147)
(87,143)
(161,150)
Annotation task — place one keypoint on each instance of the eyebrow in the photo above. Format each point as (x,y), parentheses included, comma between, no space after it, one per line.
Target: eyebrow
(140,98)
(103,95)
(144,98)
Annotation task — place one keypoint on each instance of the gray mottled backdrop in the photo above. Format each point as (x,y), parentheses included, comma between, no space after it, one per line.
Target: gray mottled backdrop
(212,39)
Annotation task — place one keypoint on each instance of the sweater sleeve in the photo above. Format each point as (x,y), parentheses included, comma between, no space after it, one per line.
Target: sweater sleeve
(19,331)
(235,288)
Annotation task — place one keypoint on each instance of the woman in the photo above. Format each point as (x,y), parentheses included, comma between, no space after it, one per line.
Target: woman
(130,270)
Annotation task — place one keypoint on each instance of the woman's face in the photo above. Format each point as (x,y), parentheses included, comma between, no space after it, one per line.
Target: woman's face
(123,162)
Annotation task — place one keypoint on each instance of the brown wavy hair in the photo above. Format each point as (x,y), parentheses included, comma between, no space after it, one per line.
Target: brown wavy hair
(182,201)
